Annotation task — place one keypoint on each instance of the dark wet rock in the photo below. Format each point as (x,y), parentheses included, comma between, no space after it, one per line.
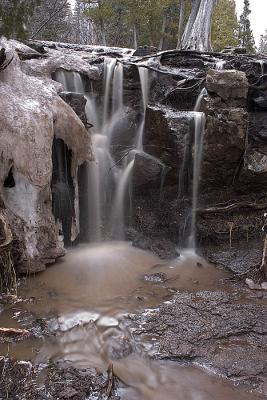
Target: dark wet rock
(224,143)
(227,84)
(261,102)
(214,329)
(59,381)
(238,259)
(144,51)
(167,134)
(77,102)
(36,46)
(147,170)
(234,50)
(258,128)
(122,133)
(256,162)
(180,61)
(254,171)
(163,247)
(158,277)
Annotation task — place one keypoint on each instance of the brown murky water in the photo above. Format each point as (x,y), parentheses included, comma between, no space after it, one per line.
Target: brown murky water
(83,298)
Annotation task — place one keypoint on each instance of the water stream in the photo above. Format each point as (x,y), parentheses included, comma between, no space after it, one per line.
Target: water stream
(84,300)
(108,181)
(88,296)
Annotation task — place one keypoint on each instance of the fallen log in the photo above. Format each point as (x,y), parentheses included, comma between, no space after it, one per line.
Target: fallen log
(8,238)
(234,206)
(4,60)
(160,71)
(13,334)
(7,270)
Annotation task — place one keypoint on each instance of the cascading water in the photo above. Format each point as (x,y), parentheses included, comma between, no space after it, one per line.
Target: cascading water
(144,80)
(124,180)
(220,65)
(200,120)
(108,183)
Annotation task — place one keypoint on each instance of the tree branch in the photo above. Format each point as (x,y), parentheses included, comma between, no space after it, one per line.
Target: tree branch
(234,206)
(52,15)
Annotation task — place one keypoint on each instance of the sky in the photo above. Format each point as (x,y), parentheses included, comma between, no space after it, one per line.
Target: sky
(258,16)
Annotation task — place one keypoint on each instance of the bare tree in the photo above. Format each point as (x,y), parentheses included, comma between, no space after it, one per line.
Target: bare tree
(181,23)
(51,20)
(197,31)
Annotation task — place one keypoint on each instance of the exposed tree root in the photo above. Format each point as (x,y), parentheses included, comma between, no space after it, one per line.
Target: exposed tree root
(7,270)
(242,204)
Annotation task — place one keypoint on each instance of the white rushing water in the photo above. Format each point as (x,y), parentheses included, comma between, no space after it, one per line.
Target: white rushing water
(109,182)
(199,129)
(200,121)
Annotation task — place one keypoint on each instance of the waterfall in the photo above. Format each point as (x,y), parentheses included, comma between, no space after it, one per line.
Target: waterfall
(108,182)
(220,65)
(144,81)
(117,220)
(200,120)
(71,80)
(124,176)
(109,66)
(199,123)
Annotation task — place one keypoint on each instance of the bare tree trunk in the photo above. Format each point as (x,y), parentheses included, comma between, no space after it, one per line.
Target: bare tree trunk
(192,17)
(135,37)
(181,23)
(197,32)
(103,34)
(263,267)
(163,30)
(54,12)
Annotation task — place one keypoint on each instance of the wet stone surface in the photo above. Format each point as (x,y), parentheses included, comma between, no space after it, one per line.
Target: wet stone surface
(216,330)
(20,380)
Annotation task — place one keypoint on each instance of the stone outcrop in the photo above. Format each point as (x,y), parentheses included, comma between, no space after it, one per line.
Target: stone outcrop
(167,137)
(227,84)
(31,116)
(147,170)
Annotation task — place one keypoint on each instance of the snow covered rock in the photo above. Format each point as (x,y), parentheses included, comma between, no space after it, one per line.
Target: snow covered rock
(31,116)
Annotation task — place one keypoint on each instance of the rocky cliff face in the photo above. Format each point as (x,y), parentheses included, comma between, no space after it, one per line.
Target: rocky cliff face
(233,183)
(32,115)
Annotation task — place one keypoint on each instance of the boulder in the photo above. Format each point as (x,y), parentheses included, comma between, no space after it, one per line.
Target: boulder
(77,101)
(227,84)
(147,169)
(167,136)
(224,143)
(256,162)
(31,116)
(261,102)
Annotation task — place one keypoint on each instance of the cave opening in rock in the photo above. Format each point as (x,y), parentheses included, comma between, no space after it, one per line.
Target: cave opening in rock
(9,182)
(62,188)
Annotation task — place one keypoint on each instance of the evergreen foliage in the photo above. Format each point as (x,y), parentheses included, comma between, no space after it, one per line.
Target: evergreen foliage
(245,33)
(51,20)
(126,23)
(224,25)
(14,16)
(263,43)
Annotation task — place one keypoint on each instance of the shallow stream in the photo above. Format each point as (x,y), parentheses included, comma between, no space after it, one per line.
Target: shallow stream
(84,299)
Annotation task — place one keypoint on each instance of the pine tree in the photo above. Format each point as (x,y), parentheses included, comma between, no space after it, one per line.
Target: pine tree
(83,27)
(101,12)
(51,20)
(224,25)
(246,38)
(263,43)
(14,16)
(198,28)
